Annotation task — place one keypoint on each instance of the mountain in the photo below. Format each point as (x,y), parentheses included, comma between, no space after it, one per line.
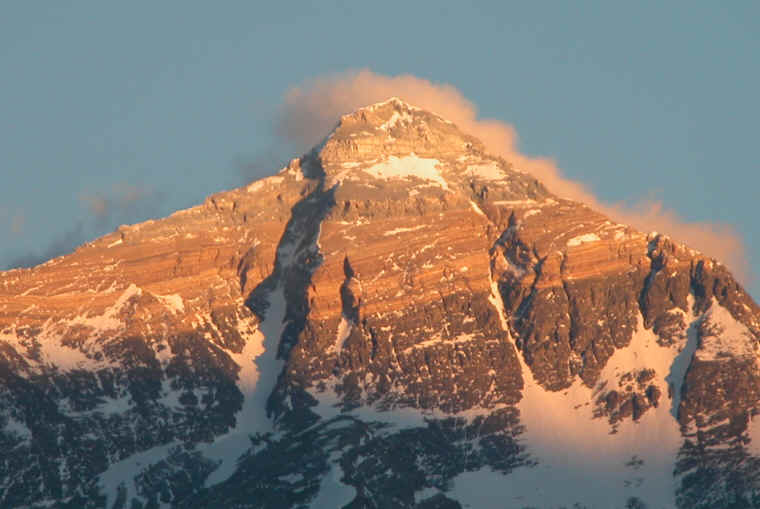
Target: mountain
(395,319)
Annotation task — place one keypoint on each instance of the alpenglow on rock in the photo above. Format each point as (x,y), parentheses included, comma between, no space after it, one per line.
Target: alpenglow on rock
(397,319)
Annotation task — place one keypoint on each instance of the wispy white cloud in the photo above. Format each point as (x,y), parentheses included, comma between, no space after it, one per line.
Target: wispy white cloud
(12,220)
(18,220)
(105,211)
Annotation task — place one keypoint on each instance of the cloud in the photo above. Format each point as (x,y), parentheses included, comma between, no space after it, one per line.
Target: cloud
(61,244)
(125,203)
(312,109)
(17,222)
(259,165)
(13,221)
(105,211)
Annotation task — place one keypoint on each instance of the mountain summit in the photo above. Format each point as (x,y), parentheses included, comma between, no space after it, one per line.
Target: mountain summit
(395,319)
(395,128)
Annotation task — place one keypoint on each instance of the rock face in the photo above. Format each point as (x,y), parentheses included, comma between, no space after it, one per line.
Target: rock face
(396,319)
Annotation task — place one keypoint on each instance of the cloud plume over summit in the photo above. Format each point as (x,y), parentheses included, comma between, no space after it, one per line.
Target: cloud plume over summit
(105,210)
(312,109)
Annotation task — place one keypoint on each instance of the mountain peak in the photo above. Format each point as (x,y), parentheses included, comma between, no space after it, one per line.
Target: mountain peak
(394,101)
(394,128)
(398,151)
(396,287)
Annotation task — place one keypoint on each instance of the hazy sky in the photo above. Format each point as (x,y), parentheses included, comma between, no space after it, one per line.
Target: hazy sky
(117,112)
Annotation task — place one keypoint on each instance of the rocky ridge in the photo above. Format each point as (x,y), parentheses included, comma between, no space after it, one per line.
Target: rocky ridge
(387,317)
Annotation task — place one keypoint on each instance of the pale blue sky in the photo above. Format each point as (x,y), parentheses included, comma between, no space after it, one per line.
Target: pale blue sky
(171,101)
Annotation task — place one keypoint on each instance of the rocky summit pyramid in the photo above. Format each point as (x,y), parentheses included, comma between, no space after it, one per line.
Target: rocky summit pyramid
(397,319)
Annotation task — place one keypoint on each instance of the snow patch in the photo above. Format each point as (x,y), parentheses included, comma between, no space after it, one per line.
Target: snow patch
(115,405)
(169,397)
(517,203)
(332,491)
(18,428)
(260,184)
(477,209)
(259,368)
(66,358)
(425,493)
(581,239)
(408,166)
(123,473)
(394,100)
(173,302)
(397,118)
(132,291)
(330,405)
(724,336)
(403,229)
(344,330)
(682,360)
(438,340)
(491,171)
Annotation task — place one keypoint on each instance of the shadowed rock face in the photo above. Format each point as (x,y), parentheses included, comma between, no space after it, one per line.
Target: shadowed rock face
(395,270)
